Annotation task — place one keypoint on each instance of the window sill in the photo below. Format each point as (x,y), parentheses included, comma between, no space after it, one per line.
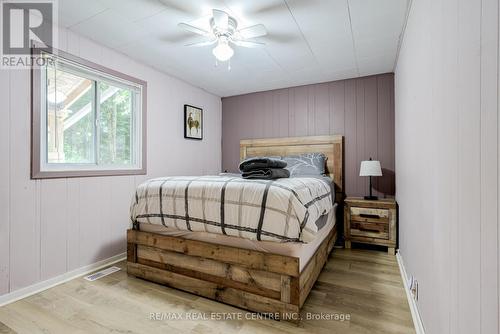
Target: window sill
(85,173)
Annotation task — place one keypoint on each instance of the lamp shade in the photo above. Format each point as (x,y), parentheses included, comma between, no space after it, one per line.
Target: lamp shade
(370,168)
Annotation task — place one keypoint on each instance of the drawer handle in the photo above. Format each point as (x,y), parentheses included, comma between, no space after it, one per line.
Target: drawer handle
(368,230)
(363,227)
(367,215)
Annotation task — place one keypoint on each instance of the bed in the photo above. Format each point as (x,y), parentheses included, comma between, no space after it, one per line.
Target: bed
(255,273)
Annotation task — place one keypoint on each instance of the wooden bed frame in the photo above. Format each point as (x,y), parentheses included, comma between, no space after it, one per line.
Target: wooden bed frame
(256,281)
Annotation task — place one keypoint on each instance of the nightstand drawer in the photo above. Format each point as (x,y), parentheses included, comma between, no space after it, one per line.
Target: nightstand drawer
(369,229)
(369,215)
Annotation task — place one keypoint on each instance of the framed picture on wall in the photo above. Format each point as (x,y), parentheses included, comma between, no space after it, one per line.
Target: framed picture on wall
(193,122)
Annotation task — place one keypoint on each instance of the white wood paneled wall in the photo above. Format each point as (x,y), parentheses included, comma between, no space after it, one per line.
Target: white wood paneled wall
(50,227)
(447,130)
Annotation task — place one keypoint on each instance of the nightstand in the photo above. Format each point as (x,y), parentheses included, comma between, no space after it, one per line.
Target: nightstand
(370,222)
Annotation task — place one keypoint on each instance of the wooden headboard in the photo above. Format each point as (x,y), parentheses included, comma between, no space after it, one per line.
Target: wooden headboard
(331,146)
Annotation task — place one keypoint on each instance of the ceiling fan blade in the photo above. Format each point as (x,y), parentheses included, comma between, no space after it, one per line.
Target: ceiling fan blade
(248,44)
(205,43)
(253,31)
(193,29)
(221,19)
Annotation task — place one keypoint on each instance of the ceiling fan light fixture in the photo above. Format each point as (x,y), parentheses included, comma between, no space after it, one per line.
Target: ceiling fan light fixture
(223,52)
(224,31)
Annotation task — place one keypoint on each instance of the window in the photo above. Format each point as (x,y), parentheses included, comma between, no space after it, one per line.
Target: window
(87,120)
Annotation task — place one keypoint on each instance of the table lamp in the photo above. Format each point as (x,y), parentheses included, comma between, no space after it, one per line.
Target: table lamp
(370,168)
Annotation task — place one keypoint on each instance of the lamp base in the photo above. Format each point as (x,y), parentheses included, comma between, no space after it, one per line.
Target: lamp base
(371,198)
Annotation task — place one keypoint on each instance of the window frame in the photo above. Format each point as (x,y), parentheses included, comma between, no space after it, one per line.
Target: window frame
(39,165)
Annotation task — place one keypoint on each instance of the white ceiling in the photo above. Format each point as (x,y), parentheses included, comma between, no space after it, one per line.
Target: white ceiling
(308,41)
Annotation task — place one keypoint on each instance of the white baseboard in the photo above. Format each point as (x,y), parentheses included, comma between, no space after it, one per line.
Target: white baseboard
(38,287)
(417,321)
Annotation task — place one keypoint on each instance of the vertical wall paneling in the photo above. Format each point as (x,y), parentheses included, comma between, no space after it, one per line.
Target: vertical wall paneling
(447,151)
(385,134)
(322,109)
(24,227)
(280,118)
(361,109)
(73,224)
(53,224)
(291,119)
(371,129)
(311,110)
(361,187)
(301,110)
(268,115)
(4,182)
(469,160)
(49,227)
(337,107)
(351,140)
(90,207)
(489,250)
(121,188)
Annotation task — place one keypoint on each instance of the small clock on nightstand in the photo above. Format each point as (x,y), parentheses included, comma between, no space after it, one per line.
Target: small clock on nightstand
(370,222)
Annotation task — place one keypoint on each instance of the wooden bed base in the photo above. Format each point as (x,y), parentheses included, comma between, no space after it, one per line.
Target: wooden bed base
(256,281)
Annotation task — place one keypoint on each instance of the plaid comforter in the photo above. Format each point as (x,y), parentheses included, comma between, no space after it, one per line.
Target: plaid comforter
(276,210)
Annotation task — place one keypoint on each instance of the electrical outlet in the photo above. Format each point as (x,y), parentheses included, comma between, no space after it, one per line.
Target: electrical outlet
(413,286)
(414,290)
(410,282)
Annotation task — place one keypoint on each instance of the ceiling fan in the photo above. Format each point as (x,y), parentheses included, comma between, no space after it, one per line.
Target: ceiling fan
(224,32)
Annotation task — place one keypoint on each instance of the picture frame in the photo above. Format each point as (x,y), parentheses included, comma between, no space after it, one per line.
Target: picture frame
(193,122)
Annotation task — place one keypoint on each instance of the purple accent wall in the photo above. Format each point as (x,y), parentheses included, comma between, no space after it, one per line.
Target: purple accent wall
(361,109)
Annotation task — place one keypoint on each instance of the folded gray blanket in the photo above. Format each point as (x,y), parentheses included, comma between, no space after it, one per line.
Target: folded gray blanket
(262,162)
(266,173)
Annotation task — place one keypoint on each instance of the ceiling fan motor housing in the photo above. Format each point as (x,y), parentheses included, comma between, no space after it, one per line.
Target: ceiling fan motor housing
(232,24)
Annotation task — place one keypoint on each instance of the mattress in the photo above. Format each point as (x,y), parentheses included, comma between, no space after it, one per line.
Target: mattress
(265,210)
(304,251)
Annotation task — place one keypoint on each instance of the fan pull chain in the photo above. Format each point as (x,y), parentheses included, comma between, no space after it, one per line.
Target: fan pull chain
(229,65)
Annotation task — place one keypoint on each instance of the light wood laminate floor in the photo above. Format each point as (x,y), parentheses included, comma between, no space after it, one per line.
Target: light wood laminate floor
(362,284)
